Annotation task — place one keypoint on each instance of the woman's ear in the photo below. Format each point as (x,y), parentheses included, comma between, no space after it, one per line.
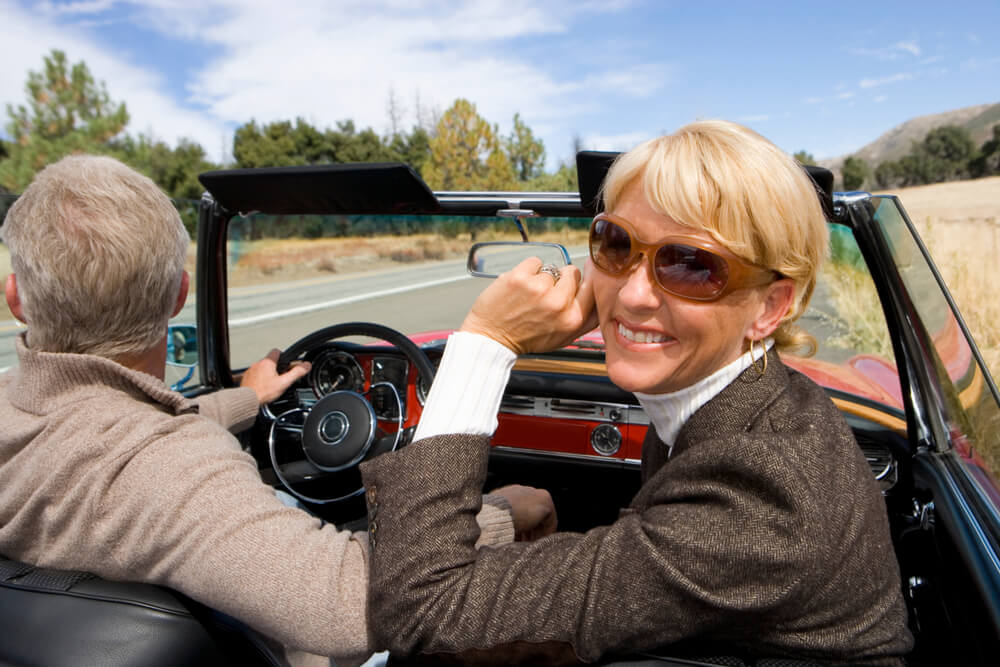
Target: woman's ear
(777,300)
(13,298)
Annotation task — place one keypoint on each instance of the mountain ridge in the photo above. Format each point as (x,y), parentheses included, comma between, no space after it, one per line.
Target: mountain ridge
(897,142)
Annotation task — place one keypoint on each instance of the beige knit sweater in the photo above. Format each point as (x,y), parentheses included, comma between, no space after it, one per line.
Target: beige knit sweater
(105,469)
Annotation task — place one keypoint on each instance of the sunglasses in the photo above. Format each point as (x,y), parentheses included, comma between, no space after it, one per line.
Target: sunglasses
(686,266)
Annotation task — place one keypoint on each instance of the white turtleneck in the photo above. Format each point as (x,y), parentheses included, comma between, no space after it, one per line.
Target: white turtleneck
(473,374)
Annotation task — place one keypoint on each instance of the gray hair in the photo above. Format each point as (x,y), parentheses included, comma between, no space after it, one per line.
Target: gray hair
(98,251)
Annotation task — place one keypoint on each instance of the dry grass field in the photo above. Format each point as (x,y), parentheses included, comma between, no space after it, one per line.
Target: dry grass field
(292,259)
(960,224)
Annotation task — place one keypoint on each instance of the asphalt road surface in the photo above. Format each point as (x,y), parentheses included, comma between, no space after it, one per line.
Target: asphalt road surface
(410,299)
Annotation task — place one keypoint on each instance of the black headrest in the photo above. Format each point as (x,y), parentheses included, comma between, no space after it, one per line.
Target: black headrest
(592,167)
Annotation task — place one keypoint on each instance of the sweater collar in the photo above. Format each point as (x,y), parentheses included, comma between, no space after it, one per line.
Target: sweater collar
(43,378)
(738,405)
(669,412)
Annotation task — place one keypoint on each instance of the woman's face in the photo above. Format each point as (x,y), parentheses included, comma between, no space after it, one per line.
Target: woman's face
(657,342)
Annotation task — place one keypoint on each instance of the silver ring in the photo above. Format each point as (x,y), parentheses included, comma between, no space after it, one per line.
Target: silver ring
(552,270)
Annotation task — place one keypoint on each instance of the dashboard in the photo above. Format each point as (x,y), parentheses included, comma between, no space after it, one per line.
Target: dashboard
(380,374)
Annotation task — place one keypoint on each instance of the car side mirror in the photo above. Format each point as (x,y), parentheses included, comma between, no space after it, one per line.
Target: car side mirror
(182,352)
(490,259)
(182,345)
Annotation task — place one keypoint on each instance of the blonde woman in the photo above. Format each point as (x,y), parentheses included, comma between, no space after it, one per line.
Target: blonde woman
(758,530)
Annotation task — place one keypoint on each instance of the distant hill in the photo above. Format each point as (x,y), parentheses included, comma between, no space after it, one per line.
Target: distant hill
(896,143)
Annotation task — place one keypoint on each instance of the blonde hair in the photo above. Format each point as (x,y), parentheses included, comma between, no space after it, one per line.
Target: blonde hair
(748,194)
(98,251)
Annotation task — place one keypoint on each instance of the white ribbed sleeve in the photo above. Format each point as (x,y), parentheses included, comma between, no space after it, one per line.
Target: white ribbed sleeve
(468,386)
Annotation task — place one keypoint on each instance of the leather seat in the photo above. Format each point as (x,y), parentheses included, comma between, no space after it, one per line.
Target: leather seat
(58,617)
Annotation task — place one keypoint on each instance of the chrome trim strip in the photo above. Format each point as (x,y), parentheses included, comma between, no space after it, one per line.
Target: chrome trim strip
(561,408)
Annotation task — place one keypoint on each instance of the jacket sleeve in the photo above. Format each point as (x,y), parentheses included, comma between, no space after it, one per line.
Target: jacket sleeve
(235,409)
(649,579)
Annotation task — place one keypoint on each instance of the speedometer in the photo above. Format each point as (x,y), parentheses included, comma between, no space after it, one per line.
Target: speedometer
(336,371)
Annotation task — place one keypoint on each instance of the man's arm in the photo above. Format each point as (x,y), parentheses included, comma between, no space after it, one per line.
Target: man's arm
(236,408)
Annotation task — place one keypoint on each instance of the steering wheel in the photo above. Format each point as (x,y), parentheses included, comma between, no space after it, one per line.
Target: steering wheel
(340,430)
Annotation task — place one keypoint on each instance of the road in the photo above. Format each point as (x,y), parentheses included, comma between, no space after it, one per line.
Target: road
(411,299)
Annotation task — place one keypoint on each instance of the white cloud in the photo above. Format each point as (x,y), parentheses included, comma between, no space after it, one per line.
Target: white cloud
(872,83)
(614,142)
(813,100)
(891,52)
(325,63)
(28,38)
(975,63)
(845,95)
(75,8)
(878,99)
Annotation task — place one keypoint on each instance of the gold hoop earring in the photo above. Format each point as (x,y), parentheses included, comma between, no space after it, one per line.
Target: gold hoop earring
(753,359)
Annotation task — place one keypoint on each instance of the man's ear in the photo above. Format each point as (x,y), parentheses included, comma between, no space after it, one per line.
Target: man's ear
(777,300)
(13,298)
(182,293)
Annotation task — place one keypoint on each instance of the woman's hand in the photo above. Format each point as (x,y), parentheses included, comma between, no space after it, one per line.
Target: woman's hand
(528,311)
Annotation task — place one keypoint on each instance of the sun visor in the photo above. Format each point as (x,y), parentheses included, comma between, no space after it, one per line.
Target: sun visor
(389,187)
(823,178)
(592,167)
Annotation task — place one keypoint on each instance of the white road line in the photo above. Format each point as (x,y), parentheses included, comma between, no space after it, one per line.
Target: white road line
(254,319)
(5,369)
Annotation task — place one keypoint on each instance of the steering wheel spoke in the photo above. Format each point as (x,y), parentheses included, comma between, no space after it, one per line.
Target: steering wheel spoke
(341,429)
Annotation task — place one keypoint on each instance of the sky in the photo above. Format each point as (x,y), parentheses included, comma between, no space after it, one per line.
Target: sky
(826,78)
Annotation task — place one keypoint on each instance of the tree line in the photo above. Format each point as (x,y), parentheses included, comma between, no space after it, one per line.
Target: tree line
(947,153)
(67,111)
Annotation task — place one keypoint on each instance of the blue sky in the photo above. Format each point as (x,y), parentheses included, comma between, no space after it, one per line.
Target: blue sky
(822,77)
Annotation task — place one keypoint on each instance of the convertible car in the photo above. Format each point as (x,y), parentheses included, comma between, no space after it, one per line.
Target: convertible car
(280,264)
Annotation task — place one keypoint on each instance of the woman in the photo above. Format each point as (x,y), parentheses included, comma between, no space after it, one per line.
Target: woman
(758,530)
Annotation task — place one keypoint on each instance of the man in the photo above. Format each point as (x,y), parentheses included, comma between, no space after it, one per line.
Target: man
(104,469)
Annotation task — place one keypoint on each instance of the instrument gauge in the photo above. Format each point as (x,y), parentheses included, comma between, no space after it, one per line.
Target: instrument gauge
(336,371)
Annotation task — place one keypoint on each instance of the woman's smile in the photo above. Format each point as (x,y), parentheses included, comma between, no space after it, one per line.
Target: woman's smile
(639,336)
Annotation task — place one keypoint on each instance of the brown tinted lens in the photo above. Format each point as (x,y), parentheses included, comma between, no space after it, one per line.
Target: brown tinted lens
(610,246)
(690,271)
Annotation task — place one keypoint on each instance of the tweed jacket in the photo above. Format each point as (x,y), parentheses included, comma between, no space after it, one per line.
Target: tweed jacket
(763,534)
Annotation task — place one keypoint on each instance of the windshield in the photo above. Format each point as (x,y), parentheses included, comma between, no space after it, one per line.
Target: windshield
(291,275)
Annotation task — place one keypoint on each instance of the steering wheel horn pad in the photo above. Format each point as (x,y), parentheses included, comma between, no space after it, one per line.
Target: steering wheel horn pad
(339,431)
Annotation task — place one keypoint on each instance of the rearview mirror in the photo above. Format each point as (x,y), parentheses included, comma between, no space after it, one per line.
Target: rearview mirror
(490,259)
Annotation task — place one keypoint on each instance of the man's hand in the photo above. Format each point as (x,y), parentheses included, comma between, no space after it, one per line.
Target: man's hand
(264,379)
(528,312)
(532,510)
